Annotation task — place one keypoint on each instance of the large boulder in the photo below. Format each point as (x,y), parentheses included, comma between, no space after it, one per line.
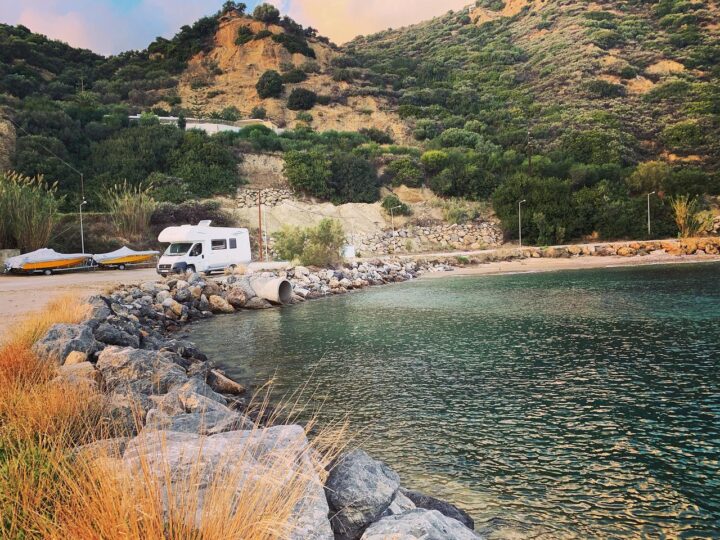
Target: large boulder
(359,489)
(217,420)
(236,297)
(112,335)
(82,370)
(140,371)
(62,339)
(221,383)
(419,524)
(267,458)
(431,503)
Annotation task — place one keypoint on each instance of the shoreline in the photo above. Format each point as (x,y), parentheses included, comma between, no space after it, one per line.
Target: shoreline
(538,266)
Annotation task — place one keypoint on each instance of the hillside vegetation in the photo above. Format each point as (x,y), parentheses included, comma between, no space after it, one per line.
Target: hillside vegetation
(580,108)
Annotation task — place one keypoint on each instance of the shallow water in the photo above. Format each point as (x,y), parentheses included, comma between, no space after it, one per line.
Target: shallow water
(571,404)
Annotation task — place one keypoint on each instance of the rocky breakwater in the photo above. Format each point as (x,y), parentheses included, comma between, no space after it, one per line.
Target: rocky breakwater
(175,416)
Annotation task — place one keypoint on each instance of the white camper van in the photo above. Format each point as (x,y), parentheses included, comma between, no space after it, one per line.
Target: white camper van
(202,248)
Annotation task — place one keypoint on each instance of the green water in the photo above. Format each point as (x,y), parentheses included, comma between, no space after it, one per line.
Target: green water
(571,404)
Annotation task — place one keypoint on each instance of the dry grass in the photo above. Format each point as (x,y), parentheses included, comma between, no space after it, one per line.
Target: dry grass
(65,309)
(49,489)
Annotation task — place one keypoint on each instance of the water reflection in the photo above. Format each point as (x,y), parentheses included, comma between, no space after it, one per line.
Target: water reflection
(575,404)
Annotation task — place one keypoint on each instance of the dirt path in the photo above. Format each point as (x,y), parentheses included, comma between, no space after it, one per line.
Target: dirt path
(20,295)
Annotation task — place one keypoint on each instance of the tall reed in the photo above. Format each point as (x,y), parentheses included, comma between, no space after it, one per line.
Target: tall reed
(28,210)
(690,220)
(131,208)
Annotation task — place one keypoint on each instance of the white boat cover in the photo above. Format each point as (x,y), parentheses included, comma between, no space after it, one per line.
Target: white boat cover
(41,255)
(122,252)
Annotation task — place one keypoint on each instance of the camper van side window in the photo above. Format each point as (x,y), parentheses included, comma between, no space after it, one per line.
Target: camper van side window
(233,243)
(217,245)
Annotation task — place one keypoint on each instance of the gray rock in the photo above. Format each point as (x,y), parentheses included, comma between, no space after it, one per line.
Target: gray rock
(112,448)
(111,335)
(183,295)
(205,423)
(359,489)
(236,297)
(220,383)
(419,524)
(62,339)
(431,503)
(82,370)
(141,371)
(257,303)
(279,452)
(399,505)
(99,311)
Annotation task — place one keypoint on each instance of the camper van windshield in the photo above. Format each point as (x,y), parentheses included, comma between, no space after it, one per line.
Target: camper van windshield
(178,249)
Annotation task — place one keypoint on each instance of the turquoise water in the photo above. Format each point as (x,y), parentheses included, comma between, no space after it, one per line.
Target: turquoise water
(571,404)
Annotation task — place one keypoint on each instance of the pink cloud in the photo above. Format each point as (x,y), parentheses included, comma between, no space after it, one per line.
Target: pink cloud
(68,27)
(342,20)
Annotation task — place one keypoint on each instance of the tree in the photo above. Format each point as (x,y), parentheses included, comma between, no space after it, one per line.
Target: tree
(301,99)
(270,85)
(228,6)
(267,13)
(353,179)
(649,176)
(308,172)
(405,171)
(259,113)
(313,246)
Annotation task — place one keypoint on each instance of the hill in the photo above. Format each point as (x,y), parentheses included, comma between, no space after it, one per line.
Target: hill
(579,107)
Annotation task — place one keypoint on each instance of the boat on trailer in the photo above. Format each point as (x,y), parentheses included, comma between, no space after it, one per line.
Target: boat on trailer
(123,257)
(47,261)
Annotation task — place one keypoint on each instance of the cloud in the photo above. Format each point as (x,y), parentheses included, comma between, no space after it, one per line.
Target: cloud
(342,20)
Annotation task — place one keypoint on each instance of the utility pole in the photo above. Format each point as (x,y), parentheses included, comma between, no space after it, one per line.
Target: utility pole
(260,227)
(520,203)
(392,216)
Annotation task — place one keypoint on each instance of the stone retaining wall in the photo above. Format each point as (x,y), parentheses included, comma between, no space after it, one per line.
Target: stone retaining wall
(270,197)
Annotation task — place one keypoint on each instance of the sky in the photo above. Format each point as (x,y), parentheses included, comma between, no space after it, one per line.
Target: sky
(113,26)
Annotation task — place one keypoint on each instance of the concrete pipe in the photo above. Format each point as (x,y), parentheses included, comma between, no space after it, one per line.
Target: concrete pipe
(275,290)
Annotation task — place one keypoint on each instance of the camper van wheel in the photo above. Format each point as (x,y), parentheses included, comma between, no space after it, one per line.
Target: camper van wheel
(47,272)
(121,267)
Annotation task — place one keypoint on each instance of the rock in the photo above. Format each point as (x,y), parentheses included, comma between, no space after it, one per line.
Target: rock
(431,503)
(205,423)
(219,305)
(84,370)
(626,251)
(236,297)
(224,385)
(183,295)
(139,371)
(111,335)
(112,448)
(211,288)
(399,505)
(257,303)
(419,524)
(62,339)
(75,357)
(173,305)
(99,311)
(272,457)
(359,490)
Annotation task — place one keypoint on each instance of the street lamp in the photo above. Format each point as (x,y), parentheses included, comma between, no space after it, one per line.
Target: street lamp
(82,232)
(520,203)
(392,217)
(648,211)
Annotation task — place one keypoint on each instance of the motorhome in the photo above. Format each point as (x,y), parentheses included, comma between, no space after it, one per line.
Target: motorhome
(202,248)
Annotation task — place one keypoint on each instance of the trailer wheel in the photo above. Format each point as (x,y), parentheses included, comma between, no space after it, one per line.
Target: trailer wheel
(121,267)
(48,272)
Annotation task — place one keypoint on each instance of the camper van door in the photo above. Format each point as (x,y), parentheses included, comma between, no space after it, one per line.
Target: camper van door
(219,257)
(196,257)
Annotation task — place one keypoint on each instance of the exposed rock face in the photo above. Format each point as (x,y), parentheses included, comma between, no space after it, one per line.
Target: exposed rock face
(276,454)
(62,339)
(359,490)
(421,525)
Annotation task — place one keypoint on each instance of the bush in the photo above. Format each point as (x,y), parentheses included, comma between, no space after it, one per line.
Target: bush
(376,135)
(294,44)
(308,172)
(456,137)
(689,219)
(270,85)
(259,113)
(244,35)
(267,14)
(407,171)
(399,208)
(692,181)
(649,176)
(353,179)
(434,161)
(294,76)
(189,213)
(600,88)
(684,136)
(301,99)
(313,246)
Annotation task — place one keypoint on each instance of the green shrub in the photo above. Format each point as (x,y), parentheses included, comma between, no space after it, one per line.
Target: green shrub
(258,112)
(270,85)
(294,44)
(376,135)
(405,171)
(399,208)
(244,35)
(600,88)
(262,34)
(649,176)
(304,116)
(301,99)
(684,136)
(434,161)
(294,76)
(308,172)
(313,246)
(606,39)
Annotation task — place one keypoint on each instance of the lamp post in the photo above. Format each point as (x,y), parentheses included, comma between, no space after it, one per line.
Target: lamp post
(648,211)
(520,203)
(82,231)
(392,216)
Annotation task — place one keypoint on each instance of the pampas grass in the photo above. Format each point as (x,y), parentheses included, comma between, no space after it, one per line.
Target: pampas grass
(131,208)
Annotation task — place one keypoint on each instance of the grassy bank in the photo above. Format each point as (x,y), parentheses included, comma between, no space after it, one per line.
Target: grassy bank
(58,480)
